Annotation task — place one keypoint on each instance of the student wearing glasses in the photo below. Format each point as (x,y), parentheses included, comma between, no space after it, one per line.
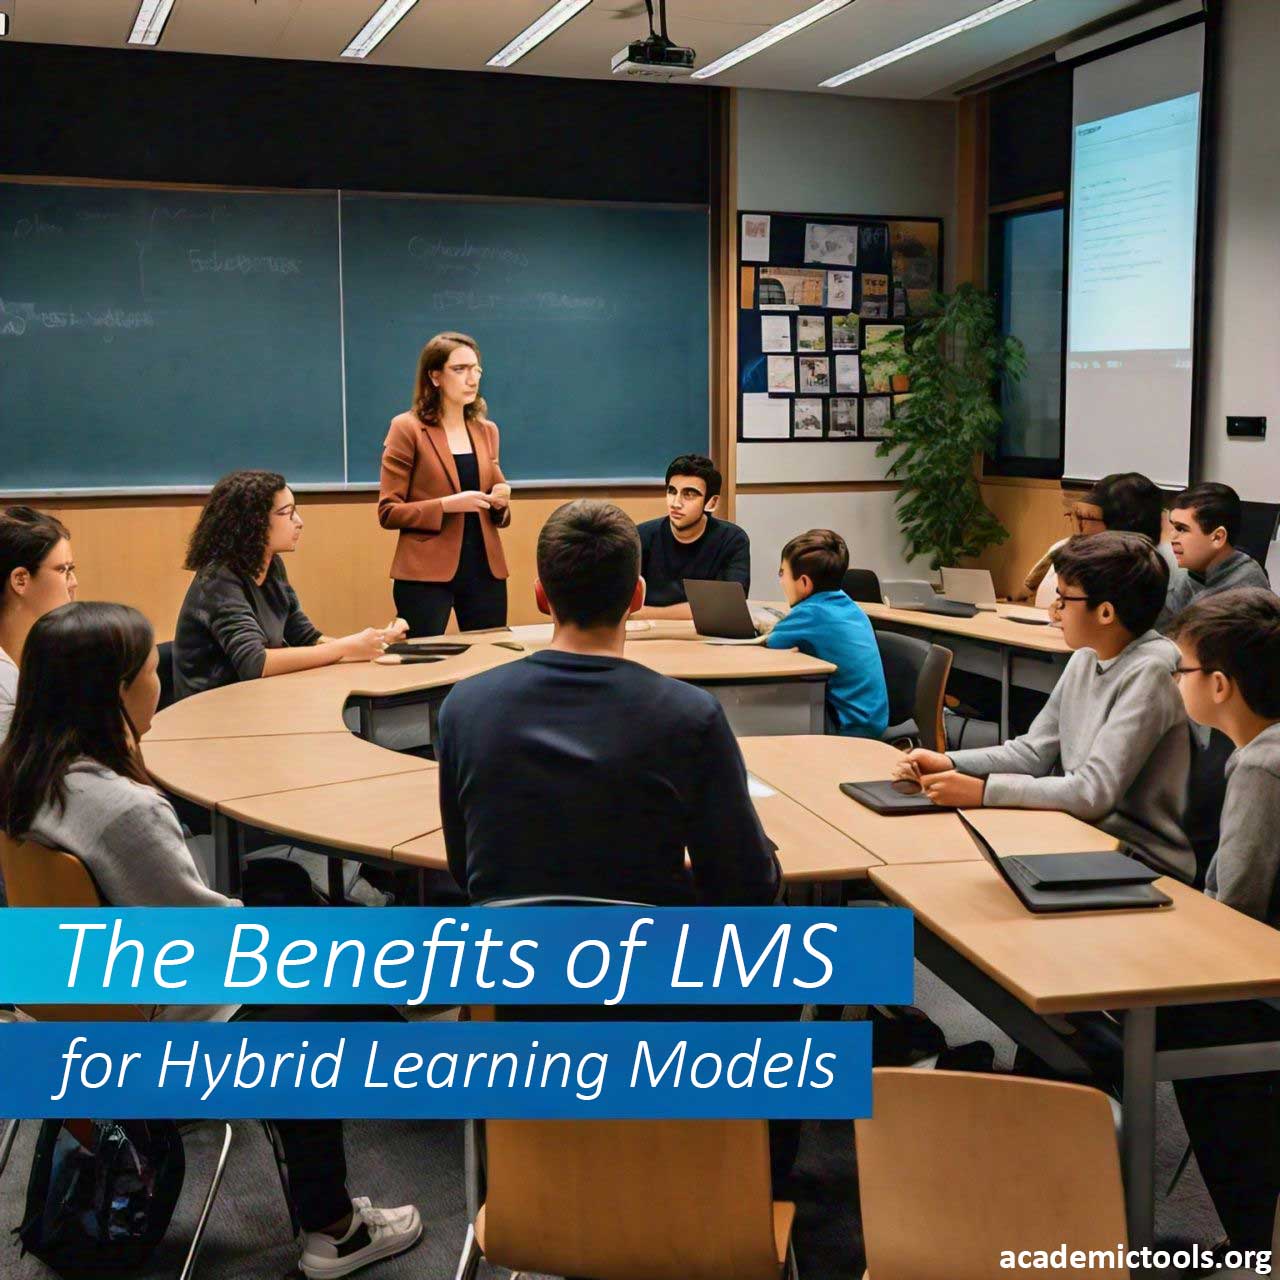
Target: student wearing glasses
(1111,746)
(444,492)
(37,573)
(1124,502)
(689,541)
(241,619)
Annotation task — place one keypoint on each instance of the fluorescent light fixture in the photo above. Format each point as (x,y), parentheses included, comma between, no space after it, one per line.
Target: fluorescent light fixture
(934,37)
(536,32)
(376,30)
(770,37)
(148,26)
(4,24)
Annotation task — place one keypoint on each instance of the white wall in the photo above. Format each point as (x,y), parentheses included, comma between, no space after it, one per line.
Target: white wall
(865,520)
(1244,329)
(814,153)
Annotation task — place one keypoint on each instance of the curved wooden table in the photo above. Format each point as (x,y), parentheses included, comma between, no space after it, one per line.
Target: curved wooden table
(277,754)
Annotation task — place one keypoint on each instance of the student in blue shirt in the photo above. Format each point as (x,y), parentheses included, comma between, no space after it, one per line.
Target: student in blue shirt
(824,622)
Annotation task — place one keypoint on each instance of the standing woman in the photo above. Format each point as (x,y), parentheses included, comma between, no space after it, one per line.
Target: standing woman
(37,573)
(443,490)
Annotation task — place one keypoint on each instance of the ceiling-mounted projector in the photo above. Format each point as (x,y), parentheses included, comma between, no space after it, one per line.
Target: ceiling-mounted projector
(654,58)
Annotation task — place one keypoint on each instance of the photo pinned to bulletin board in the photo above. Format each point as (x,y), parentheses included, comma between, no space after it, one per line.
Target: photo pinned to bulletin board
(823,299)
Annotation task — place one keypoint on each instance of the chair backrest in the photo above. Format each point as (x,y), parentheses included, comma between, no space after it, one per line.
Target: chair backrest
(903,658)
(1258,524)
(931,689)
(165,671)
(631,1199)
(955,1168)
(915,674)
(863,586)
(38,877)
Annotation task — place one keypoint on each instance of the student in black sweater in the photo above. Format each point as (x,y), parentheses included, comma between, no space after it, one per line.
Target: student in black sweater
(241,619)
(576,771)
(689,542)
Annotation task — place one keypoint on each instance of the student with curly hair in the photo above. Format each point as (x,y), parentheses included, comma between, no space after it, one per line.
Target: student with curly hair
(241,618)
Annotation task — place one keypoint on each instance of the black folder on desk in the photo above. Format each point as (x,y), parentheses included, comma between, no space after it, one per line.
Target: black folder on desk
(892,799)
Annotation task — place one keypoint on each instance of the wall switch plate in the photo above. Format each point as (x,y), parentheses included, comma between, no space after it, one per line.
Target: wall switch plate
(1246,428)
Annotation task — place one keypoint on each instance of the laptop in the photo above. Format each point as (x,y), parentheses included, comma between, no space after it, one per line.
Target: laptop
(970,586)
(910,593)
(720,612)
(1081,893)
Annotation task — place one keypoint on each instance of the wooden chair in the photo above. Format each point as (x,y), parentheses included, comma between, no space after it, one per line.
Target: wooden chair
(955,1168)
(38,877)
(632,1200)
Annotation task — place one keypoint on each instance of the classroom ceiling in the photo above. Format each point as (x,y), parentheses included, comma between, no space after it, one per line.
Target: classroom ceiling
(463,34)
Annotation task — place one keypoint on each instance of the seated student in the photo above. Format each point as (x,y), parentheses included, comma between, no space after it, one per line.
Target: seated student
(37,573)
(574,771)
(689,542)
(1124,502)
(241,618)
(824,622)
(1229,678)
(1206,522)
(1111,745)
(72,778)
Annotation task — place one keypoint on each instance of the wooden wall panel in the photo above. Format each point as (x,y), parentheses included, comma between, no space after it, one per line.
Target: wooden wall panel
(131,550)
(1034,512)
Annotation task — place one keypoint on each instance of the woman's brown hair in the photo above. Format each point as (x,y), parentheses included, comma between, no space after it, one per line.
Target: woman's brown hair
(235,523)
(434,357)
(75,663)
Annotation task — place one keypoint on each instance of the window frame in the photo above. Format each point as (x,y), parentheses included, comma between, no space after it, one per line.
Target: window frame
(998,217)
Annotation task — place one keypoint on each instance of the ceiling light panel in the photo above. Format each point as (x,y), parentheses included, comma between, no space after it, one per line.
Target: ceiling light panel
(978,19)
(148,26)
(765,40)
(376,30)
(536,32)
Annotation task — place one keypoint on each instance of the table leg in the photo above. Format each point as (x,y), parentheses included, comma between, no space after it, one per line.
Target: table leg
(365,706)
(1006,673)
(1138,1129)
(818,707)
(227,847)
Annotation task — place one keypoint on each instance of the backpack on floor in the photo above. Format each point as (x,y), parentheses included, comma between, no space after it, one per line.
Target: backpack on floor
(101,1193)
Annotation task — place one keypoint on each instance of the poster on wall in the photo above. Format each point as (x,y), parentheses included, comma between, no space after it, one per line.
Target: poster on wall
(828,293)
(917,263)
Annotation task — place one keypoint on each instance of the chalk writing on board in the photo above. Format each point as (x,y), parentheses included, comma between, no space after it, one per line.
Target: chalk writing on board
(99,318)
(546,301)
(424,248)
(244,264)
(35,226)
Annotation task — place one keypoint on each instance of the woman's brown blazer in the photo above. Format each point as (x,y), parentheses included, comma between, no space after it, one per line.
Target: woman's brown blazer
(418,470)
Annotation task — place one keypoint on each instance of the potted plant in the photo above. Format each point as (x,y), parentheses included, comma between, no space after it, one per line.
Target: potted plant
(944,370)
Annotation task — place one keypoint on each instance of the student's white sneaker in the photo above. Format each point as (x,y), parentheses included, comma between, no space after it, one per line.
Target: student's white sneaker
(374,1234)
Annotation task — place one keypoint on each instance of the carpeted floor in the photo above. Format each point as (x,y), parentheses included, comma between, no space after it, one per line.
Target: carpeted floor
(421,1162)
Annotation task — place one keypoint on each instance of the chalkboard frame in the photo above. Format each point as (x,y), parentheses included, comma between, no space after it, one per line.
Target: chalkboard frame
(715,303)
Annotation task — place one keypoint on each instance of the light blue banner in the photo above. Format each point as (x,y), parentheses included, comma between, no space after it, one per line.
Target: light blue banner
(411,955)
(535,1070)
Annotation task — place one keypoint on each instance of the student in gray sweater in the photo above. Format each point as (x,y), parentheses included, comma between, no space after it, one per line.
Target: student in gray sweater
(71,777)
(1229,677)
(1111,746)
(1206,522)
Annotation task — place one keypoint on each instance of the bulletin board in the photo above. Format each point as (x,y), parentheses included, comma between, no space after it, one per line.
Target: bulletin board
(816,292)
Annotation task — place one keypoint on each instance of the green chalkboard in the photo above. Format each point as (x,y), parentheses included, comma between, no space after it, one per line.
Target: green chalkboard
(592,322)
(157,338)
(164,337)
